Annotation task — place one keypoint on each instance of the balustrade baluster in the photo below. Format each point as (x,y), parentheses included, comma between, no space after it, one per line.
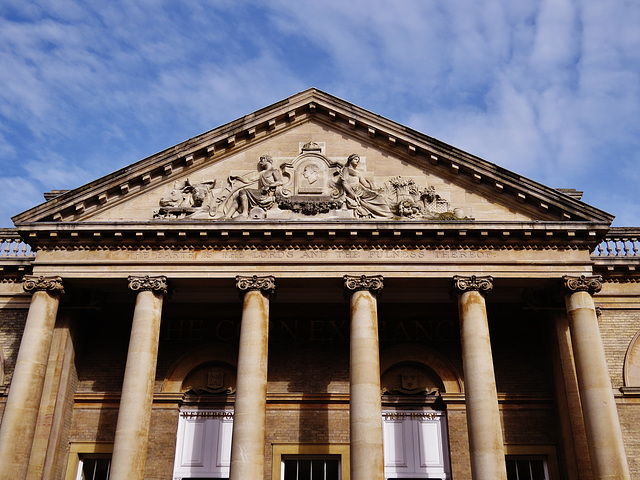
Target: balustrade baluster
(609,249)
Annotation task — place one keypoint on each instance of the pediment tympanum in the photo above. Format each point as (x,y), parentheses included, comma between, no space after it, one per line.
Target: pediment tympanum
(305,143)
(310,186)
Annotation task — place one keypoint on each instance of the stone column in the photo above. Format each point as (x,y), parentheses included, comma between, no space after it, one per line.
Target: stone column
(134,414)
(250,410)
(21,410)
(602,425)
(366,450)
(486,445)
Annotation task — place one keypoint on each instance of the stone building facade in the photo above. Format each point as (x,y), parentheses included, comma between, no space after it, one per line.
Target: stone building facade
(315,292)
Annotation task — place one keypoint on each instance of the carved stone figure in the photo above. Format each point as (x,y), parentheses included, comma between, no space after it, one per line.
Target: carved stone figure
(243,192)
(311,185)
(187,200)
(360,194)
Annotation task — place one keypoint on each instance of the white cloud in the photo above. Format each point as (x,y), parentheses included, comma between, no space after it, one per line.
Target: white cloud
(547,88)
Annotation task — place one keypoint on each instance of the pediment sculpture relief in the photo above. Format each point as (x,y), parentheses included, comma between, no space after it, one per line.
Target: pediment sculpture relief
(310,186)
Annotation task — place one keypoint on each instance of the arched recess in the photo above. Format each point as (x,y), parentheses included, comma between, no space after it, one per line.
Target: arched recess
(631,369)
(432,359)
(192,360)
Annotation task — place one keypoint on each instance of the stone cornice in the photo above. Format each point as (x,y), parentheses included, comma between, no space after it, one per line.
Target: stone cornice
(584,235)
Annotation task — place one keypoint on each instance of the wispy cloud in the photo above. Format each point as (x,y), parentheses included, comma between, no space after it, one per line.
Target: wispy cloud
(548,88)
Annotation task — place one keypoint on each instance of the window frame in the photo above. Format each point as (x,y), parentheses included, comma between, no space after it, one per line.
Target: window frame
(547,453)
(79,449)
(289,450)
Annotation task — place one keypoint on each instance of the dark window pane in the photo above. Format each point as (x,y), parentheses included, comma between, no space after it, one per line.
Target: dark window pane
(304,469)
(512,473)
(102,469)
(290,469)
(523,470)
(88,468)
(332,470)
(537,468)
(317,469)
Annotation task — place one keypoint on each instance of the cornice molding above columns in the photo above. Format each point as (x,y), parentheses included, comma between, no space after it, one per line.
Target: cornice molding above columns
(266,285)
(482,284)
(372,283)
(584,283)
(147,283)
(34,283)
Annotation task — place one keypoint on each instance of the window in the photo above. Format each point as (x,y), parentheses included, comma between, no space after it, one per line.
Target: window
(310,461)
(526,468)
(311,468)
(531,462)
(415,444)
(94,467)
(203,446)
(89,461)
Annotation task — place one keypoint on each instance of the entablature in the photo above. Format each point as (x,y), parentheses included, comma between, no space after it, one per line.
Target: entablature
(167,234)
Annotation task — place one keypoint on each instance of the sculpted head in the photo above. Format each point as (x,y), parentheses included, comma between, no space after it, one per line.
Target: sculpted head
(354,159)
(265,161)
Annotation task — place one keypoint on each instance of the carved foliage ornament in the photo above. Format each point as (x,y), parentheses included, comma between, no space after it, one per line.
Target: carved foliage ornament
(482,284)
(266,285)
(154,284)
(373,283)
(583,283)
(33,283)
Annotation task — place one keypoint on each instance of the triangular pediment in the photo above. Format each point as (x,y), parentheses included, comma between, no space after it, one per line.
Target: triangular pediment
(305,175)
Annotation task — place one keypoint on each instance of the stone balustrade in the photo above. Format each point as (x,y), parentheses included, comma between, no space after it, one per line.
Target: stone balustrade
(12,247)
(620,242)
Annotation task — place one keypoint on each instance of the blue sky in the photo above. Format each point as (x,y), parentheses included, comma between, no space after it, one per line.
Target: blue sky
(549,89)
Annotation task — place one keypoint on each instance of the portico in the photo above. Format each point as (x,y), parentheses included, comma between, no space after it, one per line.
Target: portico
(311,290)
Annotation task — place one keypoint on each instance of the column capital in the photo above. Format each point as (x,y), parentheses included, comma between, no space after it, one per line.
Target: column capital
(266,285)
(372,283)
(584,283)
(147,283)
(34,283)
(482,284)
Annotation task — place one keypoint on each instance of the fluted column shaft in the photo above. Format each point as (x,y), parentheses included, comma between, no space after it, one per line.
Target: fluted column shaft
(486,444)
(21,411)
(250,410)
(366,447)
(602,425)
(134,414)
